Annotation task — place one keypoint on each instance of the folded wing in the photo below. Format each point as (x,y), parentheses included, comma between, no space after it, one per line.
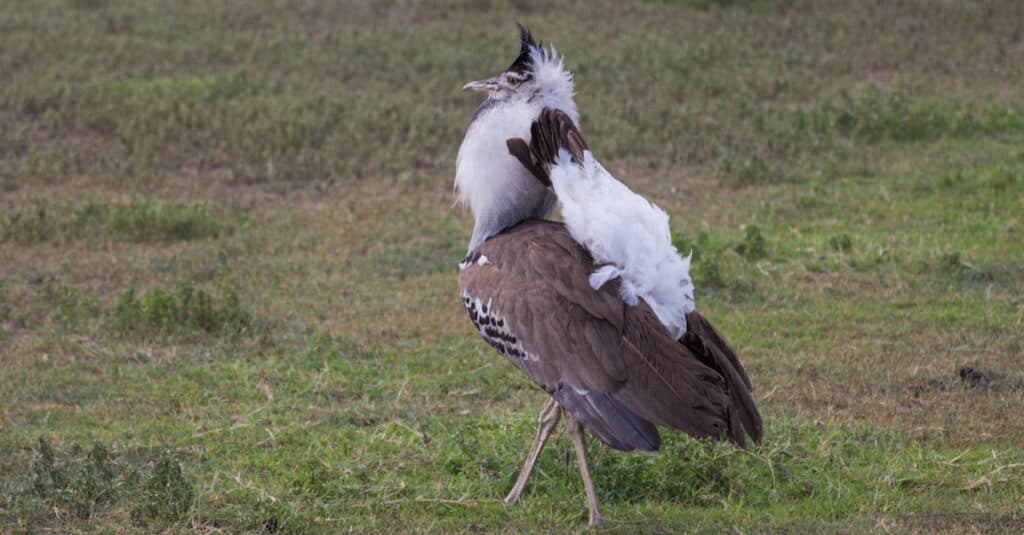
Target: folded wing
(611,365)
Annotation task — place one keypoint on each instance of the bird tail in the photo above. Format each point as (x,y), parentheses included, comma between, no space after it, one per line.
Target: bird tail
(703,340)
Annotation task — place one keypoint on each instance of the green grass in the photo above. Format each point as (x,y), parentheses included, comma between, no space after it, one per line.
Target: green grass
(227,256)
(86,484)
(137,221)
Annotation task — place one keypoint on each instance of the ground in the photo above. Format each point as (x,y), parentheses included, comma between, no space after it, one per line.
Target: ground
(228,288)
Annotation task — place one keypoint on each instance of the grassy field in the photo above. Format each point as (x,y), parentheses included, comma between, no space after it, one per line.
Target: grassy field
(227,263)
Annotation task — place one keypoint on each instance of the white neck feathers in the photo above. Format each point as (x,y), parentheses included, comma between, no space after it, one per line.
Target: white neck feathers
(555,83)
(491,182)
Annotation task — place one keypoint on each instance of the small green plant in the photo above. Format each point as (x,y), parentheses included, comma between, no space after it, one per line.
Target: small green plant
(753,245)
(684,244)
(160,220)
(166,493)
(840,242)
(75,482)
(711,272)
(951,262)
(81,483)
(714,265)
(185,309)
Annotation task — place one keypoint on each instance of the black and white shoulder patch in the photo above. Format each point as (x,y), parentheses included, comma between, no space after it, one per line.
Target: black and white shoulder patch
(474,258)
(494,329)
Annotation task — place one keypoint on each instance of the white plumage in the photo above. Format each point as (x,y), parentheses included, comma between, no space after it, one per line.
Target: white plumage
(478,158)
(629,237)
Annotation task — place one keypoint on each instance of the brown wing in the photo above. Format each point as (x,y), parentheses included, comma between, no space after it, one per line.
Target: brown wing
(521,151)
(614,367)
(552,130)
(521,287)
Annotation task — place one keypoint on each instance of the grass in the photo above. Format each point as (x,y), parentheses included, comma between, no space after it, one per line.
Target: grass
(136,221)
(183,309)
(84,484)
(227,295)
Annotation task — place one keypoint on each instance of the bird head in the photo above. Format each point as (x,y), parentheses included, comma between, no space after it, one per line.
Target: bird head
(537,74)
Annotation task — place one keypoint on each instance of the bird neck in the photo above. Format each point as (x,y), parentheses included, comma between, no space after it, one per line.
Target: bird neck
(490,181)
(536,204)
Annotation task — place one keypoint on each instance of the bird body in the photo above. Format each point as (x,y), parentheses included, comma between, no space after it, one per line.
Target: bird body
(611,364)
(598,311)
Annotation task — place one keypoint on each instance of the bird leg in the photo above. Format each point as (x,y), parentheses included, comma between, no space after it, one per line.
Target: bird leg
(579,442)
(547,420)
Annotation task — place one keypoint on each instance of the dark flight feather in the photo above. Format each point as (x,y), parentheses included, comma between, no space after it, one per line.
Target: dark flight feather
(609,420)
(551,131)
(554,130)
(702,338)
(521,151)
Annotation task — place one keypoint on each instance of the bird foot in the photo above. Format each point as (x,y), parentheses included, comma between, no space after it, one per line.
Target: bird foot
(596,521)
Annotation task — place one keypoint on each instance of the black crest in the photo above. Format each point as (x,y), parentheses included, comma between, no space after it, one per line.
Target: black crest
(523,63)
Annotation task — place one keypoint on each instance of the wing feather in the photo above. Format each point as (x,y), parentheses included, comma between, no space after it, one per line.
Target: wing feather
(553,130)
(518,148)
(613,366)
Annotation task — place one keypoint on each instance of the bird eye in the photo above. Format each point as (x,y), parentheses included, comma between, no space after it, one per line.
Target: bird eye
(512,80)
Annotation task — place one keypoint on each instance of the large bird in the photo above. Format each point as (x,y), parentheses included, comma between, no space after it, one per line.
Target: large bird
(599,310)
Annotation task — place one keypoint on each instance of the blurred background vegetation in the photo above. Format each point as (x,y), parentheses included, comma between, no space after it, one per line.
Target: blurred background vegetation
(227,250)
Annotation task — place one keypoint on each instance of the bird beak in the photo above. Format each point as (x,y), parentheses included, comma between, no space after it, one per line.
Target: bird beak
(490,84)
